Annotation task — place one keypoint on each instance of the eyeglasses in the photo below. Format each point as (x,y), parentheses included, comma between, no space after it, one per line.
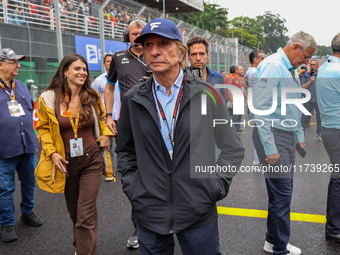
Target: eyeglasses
(15,62)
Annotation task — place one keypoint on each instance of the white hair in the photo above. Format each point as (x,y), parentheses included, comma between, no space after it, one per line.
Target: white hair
(305,40)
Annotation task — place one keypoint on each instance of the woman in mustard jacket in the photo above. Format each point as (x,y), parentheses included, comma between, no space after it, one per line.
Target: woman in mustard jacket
(75,142)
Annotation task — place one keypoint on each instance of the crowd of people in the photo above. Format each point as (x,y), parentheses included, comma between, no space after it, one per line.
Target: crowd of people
(73,13)
(164,129)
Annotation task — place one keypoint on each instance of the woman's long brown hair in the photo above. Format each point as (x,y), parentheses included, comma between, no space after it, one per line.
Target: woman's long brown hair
(88,95)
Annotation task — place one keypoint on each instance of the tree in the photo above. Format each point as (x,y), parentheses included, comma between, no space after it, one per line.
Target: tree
(323,50)
(252,30)
(213,17)
(274,31)
(249,40)
(250,25)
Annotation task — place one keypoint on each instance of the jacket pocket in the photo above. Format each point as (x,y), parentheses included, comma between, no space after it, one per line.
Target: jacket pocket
(214,189)
(48,177)
(131,191)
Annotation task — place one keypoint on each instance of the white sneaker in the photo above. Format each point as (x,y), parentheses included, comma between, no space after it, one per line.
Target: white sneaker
(268,247)
(110,179)
(132,242)
(256,163)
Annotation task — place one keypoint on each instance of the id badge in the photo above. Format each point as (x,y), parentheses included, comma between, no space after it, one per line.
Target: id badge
(76,147)
(66,114)
(15,109)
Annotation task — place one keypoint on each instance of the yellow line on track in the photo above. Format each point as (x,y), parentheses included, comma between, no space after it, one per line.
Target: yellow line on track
(253,213)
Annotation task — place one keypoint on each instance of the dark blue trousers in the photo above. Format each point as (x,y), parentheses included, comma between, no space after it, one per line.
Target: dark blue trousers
(237,119)
(279,189)
(305,120)
(203,240)
(331,141)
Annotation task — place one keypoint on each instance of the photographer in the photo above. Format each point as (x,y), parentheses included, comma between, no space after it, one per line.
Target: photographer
(308,82)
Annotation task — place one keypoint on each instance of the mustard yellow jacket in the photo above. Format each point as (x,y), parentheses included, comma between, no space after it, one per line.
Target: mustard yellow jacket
(48,177)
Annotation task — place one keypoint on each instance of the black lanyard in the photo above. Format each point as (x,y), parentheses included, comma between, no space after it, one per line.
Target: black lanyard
(172,131)
(332,61)
(135,57)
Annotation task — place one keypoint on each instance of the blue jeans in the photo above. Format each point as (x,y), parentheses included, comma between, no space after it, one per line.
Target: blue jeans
(201,240)
(112,154)
(112,149)
(237,119)
(25,165)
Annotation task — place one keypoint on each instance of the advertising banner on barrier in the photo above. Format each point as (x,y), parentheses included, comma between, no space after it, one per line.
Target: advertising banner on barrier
(90,49)
(35,116)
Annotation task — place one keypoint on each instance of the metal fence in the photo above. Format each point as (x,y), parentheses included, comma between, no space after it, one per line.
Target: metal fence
(30,14)
(223,52)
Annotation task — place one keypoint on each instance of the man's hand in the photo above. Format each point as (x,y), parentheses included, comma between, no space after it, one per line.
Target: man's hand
(58,161)
(104,142)
(307,84)
(272,159)
(302,145)
(111,125)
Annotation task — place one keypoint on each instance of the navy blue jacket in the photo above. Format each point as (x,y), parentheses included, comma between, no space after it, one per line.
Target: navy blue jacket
(17,133)
(168,196)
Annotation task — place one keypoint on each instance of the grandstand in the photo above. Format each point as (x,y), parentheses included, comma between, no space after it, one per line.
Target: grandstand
(29,27)
(174,6)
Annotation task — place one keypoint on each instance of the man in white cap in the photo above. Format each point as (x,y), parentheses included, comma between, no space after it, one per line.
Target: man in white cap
(18,155)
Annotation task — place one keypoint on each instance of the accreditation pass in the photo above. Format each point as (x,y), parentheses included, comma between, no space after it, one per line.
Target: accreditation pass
(15,109)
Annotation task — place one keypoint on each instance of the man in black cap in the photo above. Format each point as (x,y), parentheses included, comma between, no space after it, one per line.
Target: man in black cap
(18,155)
(166,143)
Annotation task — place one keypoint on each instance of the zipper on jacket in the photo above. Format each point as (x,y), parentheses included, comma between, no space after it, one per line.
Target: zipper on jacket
(171,201)
(172,210)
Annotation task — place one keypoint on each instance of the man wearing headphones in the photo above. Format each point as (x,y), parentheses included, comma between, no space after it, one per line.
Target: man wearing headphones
(127,66)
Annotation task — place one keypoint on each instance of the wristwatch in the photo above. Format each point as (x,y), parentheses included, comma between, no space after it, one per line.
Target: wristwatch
(108,114)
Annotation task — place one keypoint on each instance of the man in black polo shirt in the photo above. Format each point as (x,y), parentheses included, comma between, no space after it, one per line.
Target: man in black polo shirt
(128,67)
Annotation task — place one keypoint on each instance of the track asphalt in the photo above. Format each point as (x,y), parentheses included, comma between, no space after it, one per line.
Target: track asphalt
(242,223)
